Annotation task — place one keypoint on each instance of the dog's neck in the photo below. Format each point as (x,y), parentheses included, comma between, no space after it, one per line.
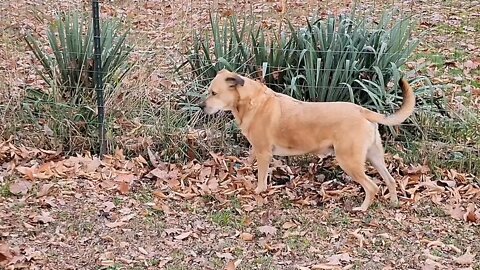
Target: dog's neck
(243,106)
(247,108)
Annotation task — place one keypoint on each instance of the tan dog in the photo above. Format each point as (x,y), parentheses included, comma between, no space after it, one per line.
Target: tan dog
(276,124)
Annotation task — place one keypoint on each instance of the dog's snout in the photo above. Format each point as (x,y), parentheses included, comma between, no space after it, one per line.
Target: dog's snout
(202,105)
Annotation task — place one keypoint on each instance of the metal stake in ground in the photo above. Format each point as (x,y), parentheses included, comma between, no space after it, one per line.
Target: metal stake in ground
(98,77)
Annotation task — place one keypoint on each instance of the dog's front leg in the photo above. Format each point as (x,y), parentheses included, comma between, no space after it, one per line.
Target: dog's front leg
(263,161)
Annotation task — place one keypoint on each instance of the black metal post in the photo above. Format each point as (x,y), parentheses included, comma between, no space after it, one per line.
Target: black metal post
(98,77)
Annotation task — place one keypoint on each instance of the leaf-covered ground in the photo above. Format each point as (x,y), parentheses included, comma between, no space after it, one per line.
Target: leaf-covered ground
(83,213)
(79,212)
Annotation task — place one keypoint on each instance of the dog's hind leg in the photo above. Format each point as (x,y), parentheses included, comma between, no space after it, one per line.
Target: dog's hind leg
(375,155)
(352,161)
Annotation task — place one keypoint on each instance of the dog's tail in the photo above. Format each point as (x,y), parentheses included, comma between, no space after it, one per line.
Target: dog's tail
(403,113)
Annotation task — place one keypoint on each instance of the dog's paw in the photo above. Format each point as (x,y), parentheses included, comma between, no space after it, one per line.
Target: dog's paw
(394,202)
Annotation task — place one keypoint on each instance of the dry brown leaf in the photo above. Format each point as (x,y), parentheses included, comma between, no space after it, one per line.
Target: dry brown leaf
(163,207)
(337,258)
(143,251)
(466,259)
(123,188)
(44,218)
(127,178)
(225,255)
(184,235)
(159,194)
(44,190)
(456,212)
(470,214)
(115,224)
(93,165)
(469,64)
(324,266)
(454,248)
(287,225)
(5,254)
(435,243)
(152,157)
(230,265)
(426,253)
(432,265)
(213,184)
(20,187)
(246,236)
(127,217)
(160,174)
(248,207)
(28,172)
(267,230)
(204,174)
(108,206)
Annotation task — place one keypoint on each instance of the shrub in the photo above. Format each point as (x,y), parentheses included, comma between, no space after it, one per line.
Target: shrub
(339,59)
(67,110)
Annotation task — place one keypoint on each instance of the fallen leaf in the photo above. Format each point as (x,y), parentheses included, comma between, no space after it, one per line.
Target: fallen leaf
(93,165)
(465,259)
(162,207)
(324,266)
(267,230)
(127,217)
(44,190)
(470,214)
(427,254)
(287,225)
(5,254)
(143,251)
(454,248)
(125,210)
(248,207)
(225,255)
(115,224)
(246,236)
(159,194)
(230,265)
(456,212)
(44,218)
(432,265)
(471,65)
(435,243)
(337,258)
(28,172)
(183,235)
(123,188)
(20,187)
(108,206)
(160,174)
(213,184)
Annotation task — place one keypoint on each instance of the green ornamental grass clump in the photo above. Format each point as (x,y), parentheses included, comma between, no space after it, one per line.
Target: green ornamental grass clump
(67,109)
(343,58)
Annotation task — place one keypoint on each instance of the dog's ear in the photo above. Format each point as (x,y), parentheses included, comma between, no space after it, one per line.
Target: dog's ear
(235,80)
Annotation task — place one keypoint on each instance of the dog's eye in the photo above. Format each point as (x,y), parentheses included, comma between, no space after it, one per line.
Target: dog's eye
(213,93)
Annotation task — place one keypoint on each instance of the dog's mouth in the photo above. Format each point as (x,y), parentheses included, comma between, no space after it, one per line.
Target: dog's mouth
(210,111)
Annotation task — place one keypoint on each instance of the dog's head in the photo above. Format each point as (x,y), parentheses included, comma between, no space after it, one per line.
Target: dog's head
(223,92)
